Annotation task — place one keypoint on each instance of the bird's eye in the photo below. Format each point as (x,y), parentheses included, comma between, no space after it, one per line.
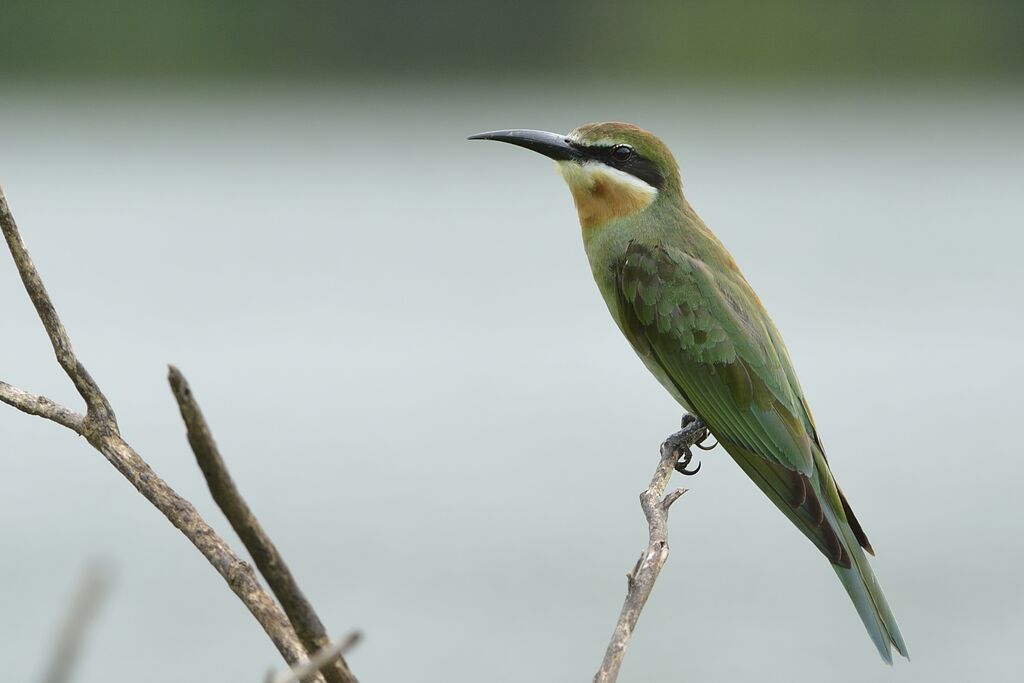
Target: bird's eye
(621,153)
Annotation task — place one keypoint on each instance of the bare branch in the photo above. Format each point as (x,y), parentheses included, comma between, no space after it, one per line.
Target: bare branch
(41,406)
(238,574)
(264,553)
(652,559)
(331,652)
(98,407)
(93,588)
(100,429)
(672,497)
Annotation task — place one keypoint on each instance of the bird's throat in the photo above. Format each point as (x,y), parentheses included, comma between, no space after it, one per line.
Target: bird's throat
(602,193)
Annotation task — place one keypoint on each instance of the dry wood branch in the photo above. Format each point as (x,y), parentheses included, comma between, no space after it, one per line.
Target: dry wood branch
(100,428)
(641,579)
(41,406)
(331,652)
(98,407)
(264,553)
(92,590)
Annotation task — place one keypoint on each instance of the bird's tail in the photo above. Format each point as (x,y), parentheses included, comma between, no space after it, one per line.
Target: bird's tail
(817,507)
(864,591)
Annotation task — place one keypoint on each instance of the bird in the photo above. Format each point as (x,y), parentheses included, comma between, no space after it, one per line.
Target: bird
(681,301)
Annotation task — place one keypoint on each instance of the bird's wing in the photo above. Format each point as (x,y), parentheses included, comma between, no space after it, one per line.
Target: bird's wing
(712,339)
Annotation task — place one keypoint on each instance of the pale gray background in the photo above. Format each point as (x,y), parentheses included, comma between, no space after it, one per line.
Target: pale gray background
(396,338)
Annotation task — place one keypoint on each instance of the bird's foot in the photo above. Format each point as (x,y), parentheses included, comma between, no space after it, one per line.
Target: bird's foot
(700,444)
(681,466)
(688,423)
(692,432)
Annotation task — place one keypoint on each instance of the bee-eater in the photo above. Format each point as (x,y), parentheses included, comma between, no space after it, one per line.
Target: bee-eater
(685,307)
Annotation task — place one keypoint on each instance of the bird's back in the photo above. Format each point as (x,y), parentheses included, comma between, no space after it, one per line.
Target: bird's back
(681,301)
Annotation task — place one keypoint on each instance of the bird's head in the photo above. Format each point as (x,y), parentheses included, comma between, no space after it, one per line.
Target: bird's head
(613,170)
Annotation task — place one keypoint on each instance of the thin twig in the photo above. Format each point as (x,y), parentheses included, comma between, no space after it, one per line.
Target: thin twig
(331,652)
(652,559)
(100,428)
(93,588)
(41,406)
(98,407)
(264,553)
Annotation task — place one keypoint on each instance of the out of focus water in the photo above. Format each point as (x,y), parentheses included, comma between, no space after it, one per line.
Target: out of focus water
(396,338)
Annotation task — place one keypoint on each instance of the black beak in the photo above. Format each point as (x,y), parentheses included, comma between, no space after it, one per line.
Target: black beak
(550,145)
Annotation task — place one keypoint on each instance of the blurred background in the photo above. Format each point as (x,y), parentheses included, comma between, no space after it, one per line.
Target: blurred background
(395,335)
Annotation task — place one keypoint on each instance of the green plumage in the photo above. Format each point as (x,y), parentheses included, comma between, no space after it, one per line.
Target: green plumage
(690,315)
(726,364)
(681,301)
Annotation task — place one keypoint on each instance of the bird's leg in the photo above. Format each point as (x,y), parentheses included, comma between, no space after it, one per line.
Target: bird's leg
(689,420)
(692,432)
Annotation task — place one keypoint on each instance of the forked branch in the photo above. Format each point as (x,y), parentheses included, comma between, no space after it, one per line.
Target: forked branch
(98,409)
(641,579)
(99,427)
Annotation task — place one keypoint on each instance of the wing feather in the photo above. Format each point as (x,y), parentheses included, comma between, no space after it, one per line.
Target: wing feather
(728,364)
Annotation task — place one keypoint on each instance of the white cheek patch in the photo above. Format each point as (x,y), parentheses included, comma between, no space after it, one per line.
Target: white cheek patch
(626,181)
(593,173)
(603,193)
(574,174)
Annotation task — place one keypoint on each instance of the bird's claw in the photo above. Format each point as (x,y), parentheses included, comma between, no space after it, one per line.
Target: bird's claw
(700,444)
(679,442)
(688,420)
(681,466)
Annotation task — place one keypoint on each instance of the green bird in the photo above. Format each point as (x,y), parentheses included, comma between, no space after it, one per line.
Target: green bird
(685,307)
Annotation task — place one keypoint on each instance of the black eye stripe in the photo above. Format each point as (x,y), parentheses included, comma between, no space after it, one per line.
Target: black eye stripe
(635,165)
(621,153)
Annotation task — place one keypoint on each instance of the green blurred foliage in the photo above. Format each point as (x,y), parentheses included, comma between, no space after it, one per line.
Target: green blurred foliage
(738,39)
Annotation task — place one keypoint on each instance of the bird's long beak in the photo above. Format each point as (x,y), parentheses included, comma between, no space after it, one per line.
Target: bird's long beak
(550,145)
